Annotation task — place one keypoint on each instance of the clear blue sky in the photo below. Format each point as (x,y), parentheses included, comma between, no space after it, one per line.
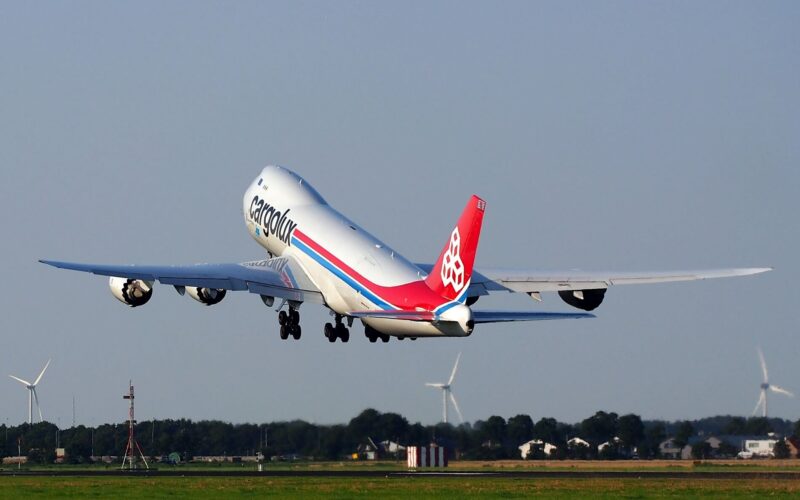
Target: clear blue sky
(603,135)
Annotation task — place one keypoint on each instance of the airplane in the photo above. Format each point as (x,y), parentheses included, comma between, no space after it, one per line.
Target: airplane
(316,254)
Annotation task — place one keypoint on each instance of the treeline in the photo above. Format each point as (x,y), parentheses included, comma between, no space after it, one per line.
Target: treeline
(493,438)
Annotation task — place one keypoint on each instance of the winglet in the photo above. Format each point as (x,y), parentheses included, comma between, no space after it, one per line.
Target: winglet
(451,274)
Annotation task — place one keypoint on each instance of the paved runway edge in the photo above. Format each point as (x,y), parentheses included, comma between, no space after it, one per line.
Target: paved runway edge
(532,475)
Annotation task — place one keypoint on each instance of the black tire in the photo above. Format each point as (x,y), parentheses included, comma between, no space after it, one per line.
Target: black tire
(344,335)
(294,316)
(296,332)
(372,339)
(385,338)
(284,332)
(328,330)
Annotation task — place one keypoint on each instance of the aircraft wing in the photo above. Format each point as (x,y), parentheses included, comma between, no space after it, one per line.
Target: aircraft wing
(280,277)
(553,281)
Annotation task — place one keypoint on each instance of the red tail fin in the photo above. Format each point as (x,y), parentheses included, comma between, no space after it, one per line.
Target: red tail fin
(452,272)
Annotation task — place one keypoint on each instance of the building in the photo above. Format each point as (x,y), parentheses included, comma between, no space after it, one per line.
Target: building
(15,460)
(602,446)
(367,450)
(724,446)
(761,448)
(670,449)
(576,441)
(391,448)
(533,444)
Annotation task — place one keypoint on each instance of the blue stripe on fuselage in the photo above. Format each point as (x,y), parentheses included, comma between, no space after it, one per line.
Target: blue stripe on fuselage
(340,274)
(459,300)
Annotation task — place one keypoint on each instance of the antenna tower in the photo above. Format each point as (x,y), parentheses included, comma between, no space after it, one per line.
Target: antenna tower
(133,445)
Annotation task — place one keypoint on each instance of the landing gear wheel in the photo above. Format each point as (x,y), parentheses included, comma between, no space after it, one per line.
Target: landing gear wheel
(372,338)
(282,317)
(284,332)
(296,331)
(343,333)
(385,338)
(294,316)
(328,330)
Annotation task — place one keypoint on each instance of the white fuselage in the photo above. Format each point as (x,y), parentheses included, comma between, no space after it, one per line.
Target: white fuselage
(287,217)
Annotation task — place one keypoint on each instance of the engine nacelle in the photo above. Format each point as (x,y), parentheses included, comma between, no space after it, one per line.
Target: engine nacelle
(131,292)
(583,299)
(206,296)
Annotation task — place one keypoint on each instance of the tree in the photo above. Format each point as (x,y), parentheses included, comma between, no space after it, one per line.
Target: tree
(727,450)
(653,437)
(494,430)
(759,426)
(364,425)
(609,451)
(548,431)
(520,429)
(797,428)
(579,451)
(631,431)
(737,426)
(536,452)
(781,449)
(701,450)
(332,442)
(41,456)
(599,428)
(393,427)
(684,432)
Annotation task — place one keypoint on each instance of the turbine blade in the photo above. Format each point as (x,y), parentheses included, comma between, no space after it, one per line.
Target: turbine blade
(36,398)
(455,405)
(439,386)
(763,365)
(455,367)
(20,380)
(760,401)
(781,390)
(42,373)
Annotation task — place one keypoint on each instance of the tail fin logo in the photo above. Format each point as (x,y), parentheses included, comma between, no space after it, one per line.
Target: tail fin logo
(452,267)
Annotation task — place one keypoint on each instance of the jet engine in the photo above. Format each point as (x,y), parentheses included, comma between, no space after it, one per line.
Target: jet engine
(583,299)
(130,291)
(206,296)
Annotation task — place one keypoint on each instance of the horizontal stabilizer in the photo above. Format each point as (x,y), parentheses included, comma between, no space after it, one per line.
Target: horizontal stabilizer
(503,316)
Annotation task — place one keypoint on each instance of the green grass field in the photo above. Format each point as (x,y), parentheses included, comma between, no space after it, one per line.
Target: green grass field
(199,488)
(418,487)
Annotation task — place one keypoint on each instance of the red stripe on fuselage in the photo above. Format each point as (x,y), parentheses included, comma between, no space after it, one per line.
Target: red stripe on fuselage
(408,296)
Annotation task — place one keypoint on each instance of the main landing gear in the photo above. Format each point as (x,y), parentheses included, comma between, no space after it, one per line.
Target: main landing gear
(338,330)
(290,323)
(373,335)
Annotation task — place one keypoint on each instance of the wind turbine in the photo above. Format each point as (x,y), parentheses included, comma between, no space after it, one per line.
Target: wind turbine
(32,393)
(447,392)
(766,386)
